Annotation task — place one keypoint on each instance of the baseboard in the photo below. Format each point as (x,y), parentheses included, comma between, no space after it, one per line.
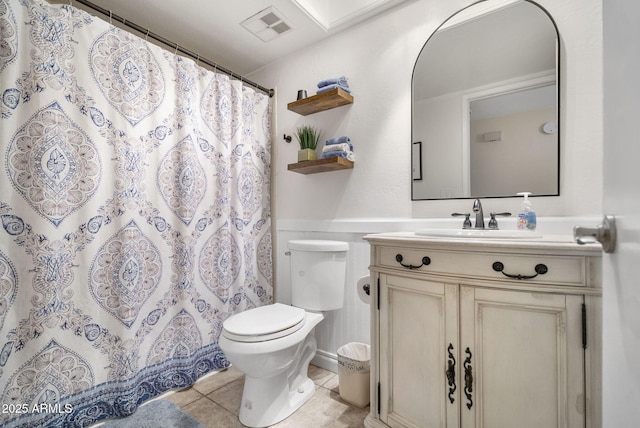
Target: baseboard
(325,360)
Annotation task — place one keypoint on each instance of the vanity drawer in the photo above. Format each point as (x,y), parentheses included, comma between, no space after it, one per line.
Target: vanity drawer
(560,270)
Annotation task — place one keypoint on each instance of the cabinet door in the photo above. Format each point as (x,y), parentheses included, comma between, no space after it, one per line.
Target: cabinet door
(418,322)
(524,352)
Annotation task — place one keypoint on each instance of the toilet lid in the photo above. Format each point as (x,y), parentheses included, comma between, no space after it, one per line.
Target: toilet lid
(264,323)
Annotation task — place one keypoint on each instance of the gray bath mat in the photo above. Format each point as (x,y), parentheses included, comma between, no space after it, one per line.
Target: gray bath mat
(156,414)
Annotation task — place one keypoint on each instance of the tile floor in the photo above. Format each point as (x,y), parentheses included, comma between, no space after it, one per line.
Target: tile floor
(215,401)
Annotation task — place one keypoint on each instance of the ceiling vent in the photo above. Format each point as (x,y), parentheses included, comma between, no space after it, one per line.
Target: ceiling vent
(267,24)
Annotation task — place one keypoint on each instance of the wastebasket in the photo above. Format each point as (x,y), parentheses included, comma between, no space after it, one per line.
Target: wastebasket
(354,360)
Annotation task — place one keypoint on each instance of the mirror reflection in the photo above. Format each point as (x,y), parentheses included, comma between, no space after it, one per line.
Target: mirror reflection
(485,105)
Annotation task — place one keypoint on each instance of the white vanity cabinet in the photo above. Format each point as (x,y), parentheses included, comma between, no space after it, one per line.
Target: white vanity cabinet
(486,333)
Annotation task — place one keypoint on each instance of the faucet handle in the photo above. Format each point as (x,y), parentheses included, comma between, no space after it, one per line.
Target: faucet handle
(467,221)
(493,223)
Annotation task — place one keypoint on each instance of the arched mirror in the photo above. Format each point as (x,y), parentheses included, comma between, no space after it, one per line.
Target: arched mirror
(485,105)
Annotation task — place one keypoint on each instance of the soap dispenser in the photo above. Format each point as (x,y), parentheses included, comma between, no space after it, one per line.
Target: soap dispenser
(526,216)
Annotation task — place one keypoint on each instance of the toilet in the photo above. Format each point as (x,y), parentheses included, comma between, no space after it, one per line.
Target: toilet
(273,344)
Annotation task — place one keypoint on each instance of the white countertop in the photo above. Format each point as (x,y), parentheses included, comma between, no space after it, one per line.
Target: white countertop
(559,244)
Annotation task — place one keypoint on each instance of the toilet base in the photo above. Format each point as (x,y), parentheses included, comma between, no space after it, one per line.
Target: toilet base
(267,401)
(256,412)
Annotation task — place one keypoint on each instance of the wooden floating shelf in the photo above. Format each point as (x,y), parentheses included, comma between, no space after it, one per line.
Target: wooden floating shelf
(320,102)
(334,163)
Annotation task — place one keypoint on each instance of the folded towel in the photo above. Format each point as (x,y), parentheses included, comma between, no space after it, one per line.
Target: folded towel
(338,140)
(342,81)
(334,86)
(345,147)
(347,155)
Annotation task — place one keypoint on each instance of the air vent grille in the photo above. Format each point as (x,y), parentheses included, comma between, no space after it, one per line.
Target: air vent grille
(281,27)
(270,18)
(267,24)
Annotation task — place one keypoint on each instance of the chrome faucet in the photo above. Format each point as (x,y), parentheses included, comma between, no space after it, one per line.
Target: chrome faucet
(477,208)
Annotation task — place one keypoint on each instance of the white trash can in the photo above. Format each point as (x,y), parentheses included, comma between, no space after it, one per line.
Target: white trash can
(354,361)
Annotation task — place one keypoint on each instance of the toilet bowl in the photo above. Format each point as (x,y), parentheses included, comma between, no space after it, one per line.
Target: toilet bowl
(276,382)
(274,344)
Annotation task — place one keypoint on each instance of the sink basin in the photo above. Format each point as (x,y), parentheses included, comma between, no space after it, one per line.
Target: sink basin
(479,233)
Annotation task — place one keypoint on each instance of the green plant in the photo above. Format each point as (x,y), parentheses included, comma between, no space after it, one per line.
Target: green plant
(308,137)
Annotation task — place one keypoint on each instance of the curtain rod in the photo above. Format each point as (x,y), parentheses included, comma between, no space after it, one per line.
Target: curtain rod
(178,48)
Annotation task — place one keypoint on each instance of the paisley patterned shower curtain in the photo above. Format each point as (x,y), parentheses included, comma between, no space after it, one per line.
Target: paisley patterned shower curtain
(134,200)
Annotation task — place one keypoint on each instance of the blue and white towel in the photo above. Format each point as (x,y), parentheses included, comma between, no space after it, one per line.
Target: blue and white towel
(329,84)
(345,147)
(342,81)
(334,86)
(338,146)
(347,155)
(339,140)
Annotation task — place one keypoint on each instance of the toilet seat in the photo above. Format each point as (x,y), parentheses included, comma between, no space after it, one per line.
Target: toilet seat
(264,323)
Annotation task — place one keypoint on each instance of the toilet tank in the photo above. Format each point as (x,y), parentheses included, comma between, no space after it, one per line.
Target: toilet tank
(318,273)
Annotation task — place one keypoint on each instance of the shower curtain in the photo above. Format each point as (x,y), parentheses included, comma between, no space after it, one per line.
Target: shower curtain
(134,201)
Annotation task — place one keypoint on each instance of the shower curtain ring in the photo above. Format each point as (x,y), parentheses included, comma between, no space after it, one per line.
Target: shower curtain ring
(176,51)
(198,60)
(146,37)
(110,18)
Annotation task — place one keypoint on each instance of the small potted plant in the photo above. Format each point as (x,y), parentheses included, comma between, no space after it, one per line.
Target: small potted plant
(308,137)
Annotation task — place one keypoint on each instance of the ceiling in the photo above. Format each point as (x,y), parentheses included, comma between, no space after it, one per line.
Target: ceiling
(213,30)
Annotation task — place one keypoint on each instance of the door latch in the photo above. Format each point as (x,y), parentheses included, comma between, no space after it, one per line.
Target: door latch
(604,233)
